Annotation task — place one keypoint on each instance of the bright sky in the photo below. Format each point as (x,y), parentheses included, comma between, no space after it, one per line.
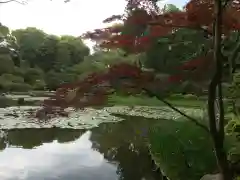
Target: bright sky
(59,18)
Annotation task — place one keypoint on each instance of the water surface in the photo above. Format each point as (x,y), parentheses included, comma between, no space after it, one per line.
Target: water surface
(113,151)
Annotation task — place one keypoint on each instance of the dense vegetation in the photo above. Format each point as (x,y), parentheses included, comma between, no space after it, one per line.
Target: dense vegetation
(34,60)
(199,45)
(168,59)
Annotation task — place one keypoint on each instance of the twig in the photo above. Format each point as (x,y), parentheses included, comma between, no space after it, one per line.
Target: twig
(3,2)
(177,110)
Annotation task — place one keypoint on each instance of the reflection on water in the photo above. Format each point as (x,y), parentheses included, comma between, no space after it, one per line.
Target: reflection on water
(113,151)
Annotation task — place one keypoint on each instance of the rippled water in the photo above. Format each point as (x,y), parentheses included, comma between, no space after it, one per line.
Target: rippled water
(113,151)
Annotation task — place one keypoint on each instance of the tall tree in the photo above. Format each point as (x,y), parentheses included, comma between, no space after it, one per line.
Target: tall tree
(29,40)
(46,54)
(143,23)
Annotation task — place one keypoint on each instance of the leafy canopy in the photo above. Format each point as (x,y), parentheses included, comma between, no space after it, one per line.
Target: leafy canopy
(142,24)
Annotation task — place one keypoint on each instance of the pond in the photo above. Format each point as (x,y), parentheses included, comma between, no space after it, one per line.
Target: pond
(111,143)
(112,151)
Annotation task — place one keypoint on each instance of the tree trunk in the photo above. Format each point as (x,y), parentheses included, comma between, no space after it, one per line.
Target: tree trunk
(215,91)
(217,138)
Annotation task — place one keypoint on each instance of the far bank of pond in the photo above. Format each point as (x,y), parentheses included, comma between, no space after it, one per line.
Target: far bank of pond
(36,97)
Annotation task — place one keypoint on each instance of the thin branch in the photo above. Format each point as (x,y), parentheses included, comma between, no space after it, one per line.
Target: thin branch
(20,2)
(1,2)
(176,109)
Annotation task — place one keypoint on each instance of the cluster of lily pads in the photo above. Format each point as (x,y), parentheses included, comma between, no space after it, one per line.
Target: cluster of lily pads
(21,117)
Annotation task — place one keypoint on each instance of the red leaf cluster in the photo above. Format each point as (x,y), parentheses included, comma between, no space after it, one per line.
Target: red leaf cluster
(94,90)
(198,14)
(129,79)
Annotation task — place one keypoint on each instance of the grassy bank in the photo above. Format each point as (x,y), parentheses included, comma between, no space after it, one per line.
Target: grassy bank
(146,101)
(188,100)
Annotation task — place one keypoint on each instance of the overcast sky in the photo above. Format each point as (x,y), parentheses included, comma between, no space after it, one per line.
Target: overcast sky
(59,18)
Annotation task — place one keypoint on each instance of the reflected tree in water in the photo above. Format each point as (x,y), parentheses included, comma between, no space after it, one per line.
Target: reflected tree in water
(125,144)
(31,138)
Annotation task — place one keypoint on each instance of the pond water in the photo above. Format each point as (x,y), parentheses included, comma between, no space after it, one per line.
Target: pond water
(112,151)
(90,144)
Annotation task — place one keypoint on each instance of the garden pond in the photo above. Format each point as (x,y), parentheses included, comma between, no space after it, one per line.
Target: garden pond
(112,143)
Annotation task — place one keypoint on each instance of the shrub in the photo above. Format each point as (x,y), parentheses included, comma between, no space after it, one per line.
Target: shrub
(19,87)
(12,78)
(39,85)
(18,72)
(5,102)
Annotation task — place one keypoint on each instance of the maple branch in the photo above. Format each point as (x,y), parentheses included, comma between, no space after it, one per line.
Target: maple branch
(3,2)
(176,109)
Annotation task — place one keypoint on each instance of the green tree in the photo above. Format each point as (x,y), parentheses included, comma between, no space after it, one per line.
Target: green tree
(47,53)
(101,61)
(32,75)
(78,50)
(70,51)
(29,40)
(7,65)
(216,18)
(63,56)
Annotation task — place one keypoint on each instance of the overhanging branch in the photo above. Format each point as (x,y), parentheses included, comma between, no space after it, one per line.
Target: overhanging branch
(20,2)
(1,2)
(176,109)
